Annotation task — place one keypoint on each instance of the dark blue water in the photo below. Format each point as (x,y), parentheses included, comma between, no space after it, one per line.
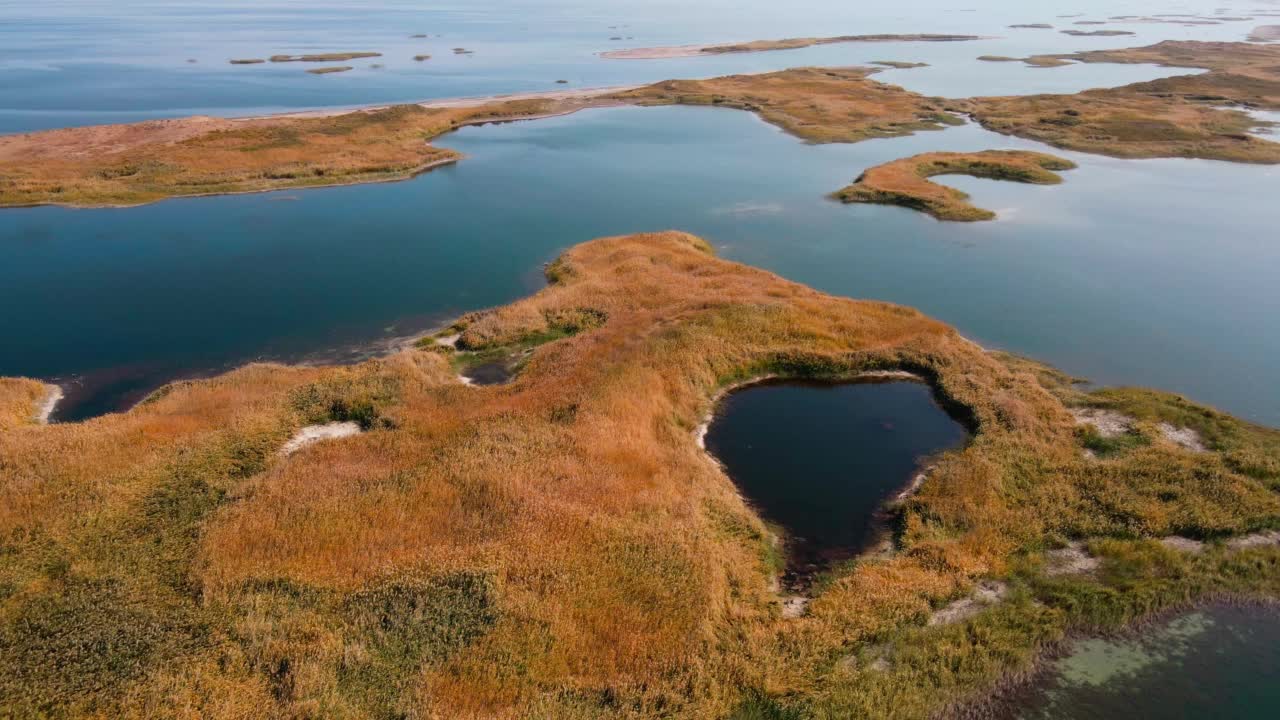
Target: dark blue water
(1221,662)
(1118,275)
(77,62)
(820,460)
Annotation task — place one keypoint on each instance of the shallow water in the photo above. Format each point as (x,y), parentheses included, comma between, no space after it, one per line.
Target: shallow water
(77,62)
(1116,275)
(1221,662)
(820,460)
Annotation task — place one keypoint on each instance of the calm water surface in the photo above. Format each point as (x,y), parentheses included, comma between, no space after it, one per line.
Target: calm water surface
(1118,274)
(820,460)
(77,62)
(1222,662)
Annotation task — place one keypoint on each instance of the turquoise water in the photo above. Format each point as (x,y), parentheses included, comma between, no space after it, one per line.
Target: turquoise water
(1221,662)
(77,62)
(820,460)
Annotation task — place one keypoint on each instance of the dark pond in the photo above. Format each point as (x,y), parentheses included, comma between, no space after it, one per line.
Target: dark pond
(820,459)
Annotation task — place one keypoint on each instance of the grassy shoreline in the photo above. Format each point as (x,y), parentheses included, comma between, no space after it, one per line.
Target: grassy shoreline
(1182,116)
(573,553)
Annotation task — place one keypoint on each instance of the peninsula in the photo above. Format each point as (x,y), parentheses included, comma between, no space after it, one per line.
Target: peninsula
(383,540)
(906,182)
(1195,116)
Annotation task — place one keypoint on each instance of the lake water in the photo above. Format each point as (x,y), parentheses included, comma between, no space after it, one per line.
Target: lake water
(1117,275)
(820,460)
(77,62)
(1221,662)
(1157,273)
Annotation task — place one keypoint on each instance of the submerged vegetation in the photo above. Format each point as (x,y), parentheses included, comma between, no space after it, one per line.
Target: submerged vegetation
(906,182)
(560,547)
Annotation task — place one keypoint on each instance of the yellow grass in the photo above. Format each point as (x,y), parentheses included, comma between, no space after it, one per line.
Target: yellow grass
(19,400)
(559,547)
(906,182)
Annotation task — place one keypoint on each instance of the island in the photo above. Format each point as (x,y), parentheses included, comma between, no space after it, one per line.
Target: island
(1185,116)
(329,70)
(248,61)
(1042,61)
(384,540)
(324,57)
(770,45)
(899,64)
(1096,33)
(906,182)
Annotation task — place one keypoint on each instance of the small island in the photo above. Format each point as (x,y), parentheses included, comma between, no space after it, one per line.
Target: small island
(324,57)
(906,182)
(421,58)
(771,45)
(1096,33)
(899,64)
(1032,26)
(1183,116)
(330,70)
(246,61)
(1041,61)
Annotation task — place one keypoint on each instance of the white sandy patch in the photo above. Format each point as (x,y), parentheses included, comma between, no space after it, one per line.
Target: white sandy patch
(1182,544)
(1184,437)
(449,340)
(45,409)
(1267,538)
(1108,423)
(1070,560)
(312,434)
(986,594)
(794,606)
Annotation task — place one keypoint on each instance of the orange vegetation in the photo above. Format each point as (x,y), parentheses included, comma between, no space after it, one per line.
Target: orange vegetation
(143,162)
(906,182)
(1180,116)
(817,104)
(559,547)
(19,399)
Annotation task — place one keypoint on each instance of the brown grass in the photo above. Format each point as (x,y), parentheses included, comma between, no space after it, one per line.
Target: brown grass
(819,105)
(1181,116)
(905,182)
(19,400)
(795,43)
(144,162)
(559,547)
